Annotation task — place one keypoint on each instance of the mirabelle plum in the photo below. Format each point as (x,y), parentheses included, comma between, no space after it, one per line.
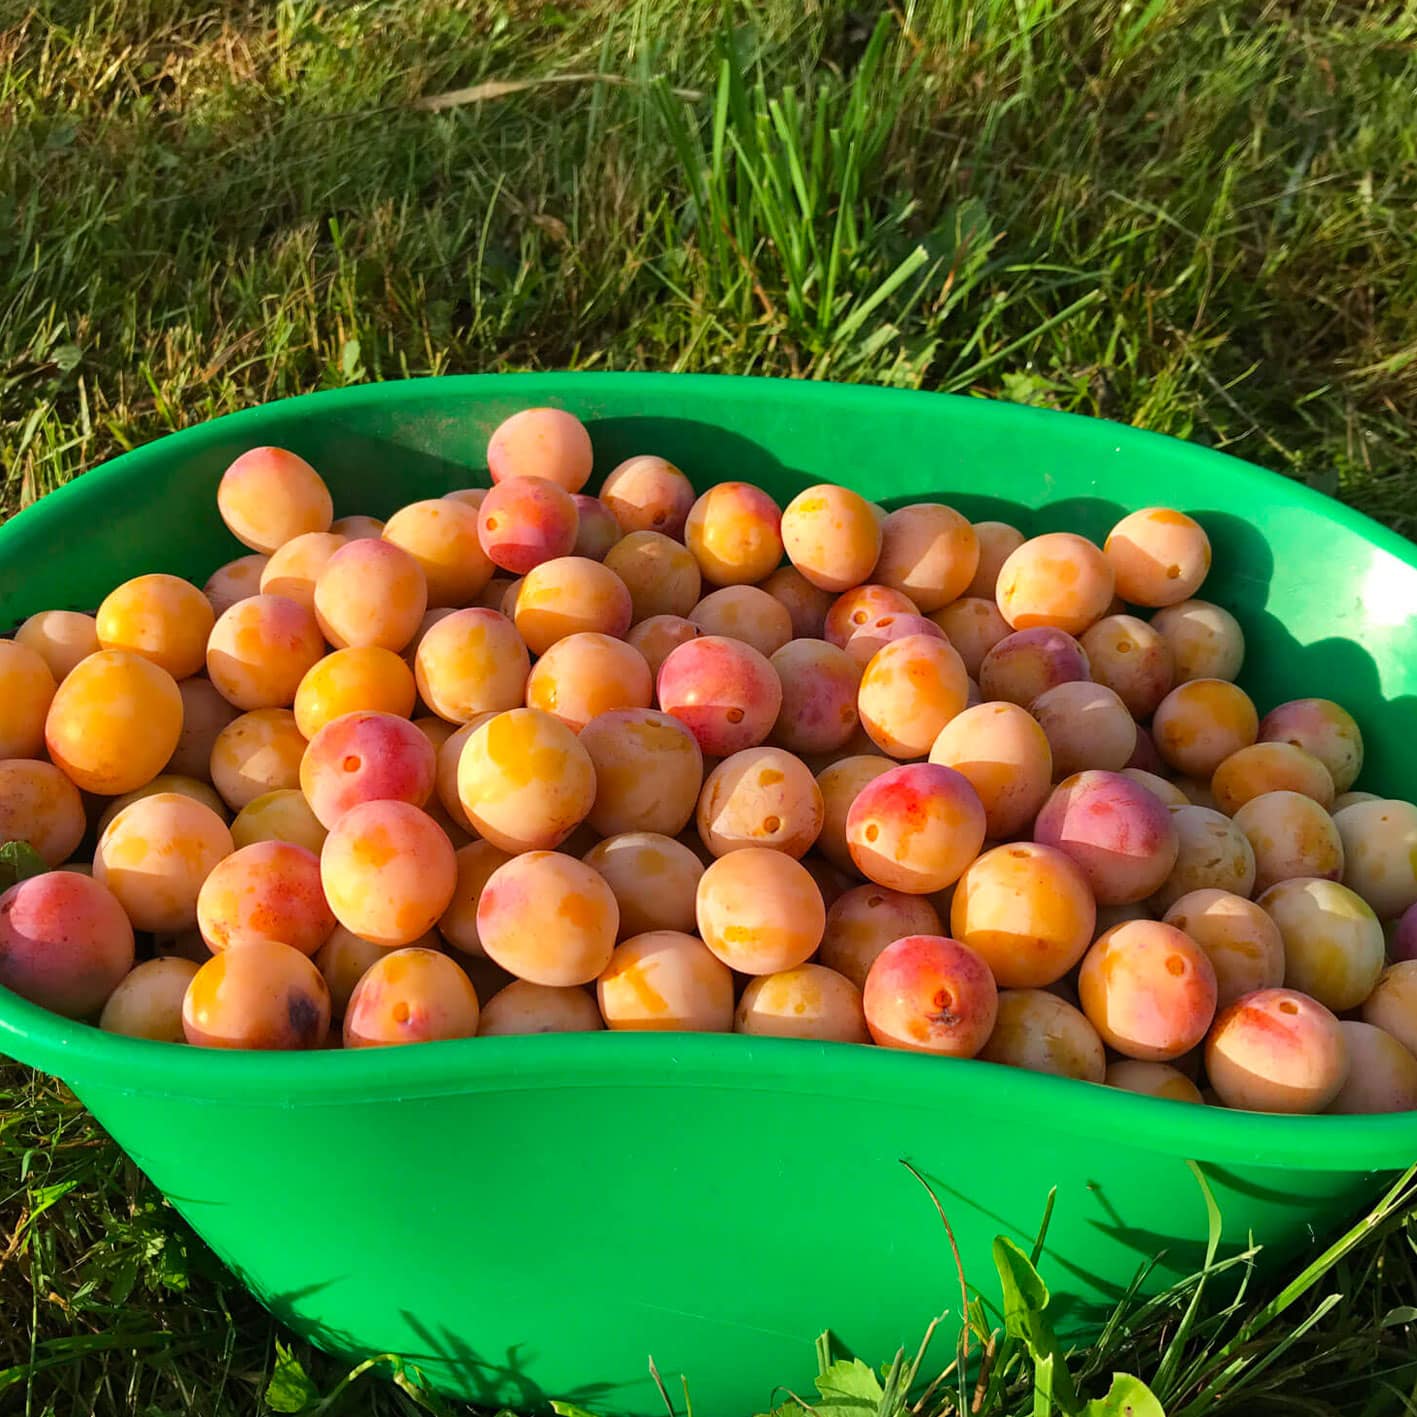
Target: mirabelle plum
(342,961)
(1320,727)
(1027,663)
(1026,910)
(410,995)
(39,805)
(759,911)
(495,592)
(204,714)
(1087,726)
(1333,943)
(257,753)
(262,648)
(734,531)
(61,638)
(1004,753)
(389,872)
(819,687)
(648,772)
(111,725)
(164,782)
(1382,1074)
(928,551)
(442,537)
(458,923)
(909,691)
(294,568)
(666,980)
(725,692)
(1380,853)
(743,612)
(876,634)
(586,675)
(839,784)
(997,542)
(864,920)
(1119,834)
(541,442)
(860,606)
(360,528)
(1152,1080)
(282,815)
(1392,1006)
(1056,580)
(268,496)
(269,891)
(806,604)
(161,618)
(596,528)
(570,595)
(263,994)
(1214,854)
(760,797)
(1160,556)
(1243,943)
(973,626)
(810,1001)
(65,942)
(1277,1050)
(659,636)
(366,757)
(1132,659)
(237,580)
(471,662)
(1166,792)
(371,593)
(362,678)
(1148,989)
(148,1002)
(1269,767)
(647,493)
(1201,723)
(1039,1031)
(654,879)
(930,994)
(525,781)
(832,536)
(661,575)
(1291,836)
(154,856)
(548,918)
(520,1007)
(27,691)
(1206,641)
(915,828)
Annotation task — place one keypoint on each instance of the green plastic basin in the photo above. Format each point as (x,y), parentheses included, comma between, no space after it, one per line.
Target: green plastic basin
(527,1218)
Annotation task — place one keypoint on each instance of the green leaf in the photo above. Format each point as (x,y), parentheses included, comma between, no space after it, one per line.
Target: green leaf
(1025,1318)
(848,1386)
(290,1388)
(18,862)
(1127,1397)
(569,1409)
(349,358)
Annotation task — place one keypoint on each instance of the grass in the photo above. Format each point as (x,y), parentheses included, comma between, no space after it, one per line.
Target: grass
(1192,215)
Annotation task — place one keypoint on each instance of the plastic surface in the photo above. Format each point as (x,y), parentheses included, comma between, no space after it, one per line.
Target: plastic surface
(528,1218)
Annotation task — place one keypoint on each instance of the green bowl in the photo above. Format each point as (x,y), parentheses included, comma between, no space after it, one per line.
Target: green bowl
(526,1218)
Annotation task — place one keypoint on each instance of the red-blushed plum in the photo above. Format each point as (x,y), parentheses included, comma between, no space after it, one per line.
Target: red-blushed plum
(760,797)
(270,891)
(1323,728)
(548,918)
(366,757)
(930,994)
(915,828)
(928,551)
(1042,1033)
(1164,791)
(806,604)
(661,574)
(148,1002)
(541,442)
(648,770)
(734,532)
(458,923)
(269,496)
(236,580)
(810,1001)
(39,805)
(1148,990)
(655,880)
(366,677)
(885,629)
(665,980)
(1087,727)
(596,528)
(520,1007)
(389,872)
(1333,943)
(819,686)
(1277,1050)
(262,994)
(839,784)
(1026,663)
(261,649)
(1402,939)
(759,911)
(1214,854)
(65,942)
(1145,756)
(370,593)
(1159,556)
(1057,580)
(585,675)
(442,537)
(410,995)
(1152,1080)
(859,606)
(725,692)
(570,595)
(1026,910)
(1291,836)
(1119,834)
(862,921)
(648,493)
(1382,1074)
(1242,942)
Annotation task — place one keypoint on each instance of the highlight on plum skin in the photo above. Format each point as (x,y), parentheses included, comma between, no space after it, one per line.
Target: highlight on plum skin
(596,528)
(1323,728)
(161,618)
(65,942)
(810,1001)
(1213,854)
(262,995)
(256,753)
(546,443)
(654,878)
(930,994)
(1241,940)
(294,567)
(1291,836)
(1026,910)
(148,1002)
(587,674)
(570,595)
(831,535)
(1333,943)
(1206,640)
(366,757)
(1006,756)
(648,770)
(388,872)
(760,797)
(39,805)
(521,1007)
(268,496)
(1026,663)
(111,725)
(1148,989)
(1201,723)
(1382,1074)
(548,918)
(665,980)
(759,911)
(864,920)
(915,828)
(1056,580)
(1159,556)
(1042,1033)
(1087,726)
(648,493)
(269,891)
(61,638)
(366,678)
(909,691)
(1380,853)
(261,649)
(725,692)
(661,574)
(930,552)
(1277,1050)
(472,661)
(1158,1080)
(734,532)
(442,537)
(1270,767)
(410,995)
(371,593)
(192,787)
(746,613)
(1131,658)
(1120,835)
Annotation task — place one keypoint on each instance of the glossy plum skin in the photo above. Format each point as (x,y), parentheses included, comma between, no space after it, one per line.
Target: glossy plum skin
(269,891)
(648,770)
(831,535)
(262,994)
(471,662)
(268,496)
(410,995)
(342,961)
(654,878)
(659,636)
(366,757)
(930,994)
(806,604)
(261,649)
(237,580)
(930,552)
(1058,580)
(164,619)
(570,595)
(585,675)
(909,691)
(876,634)
(760,797)
(819,686)
(1243,943)
(1042,1033)
(596,528)
(810,1001)
(1392,1006)
(864,920)
(541,442)
(1088,727)
(39,805)
(725,692)
(442,537)
(1026,663)
(997,542)
(661,575)
(256,753)
(973,626)
(293,568)
(1118,833)
(61,638)
(648,493)
(1148,990)
(371,593)
(1006,756)
(1159,556)
(458,923)
(148,1002)
(759,911)
(734,531)
(362,678)
(65,942)
(1277,1050)
(1323,728)
(664,980)
(204,714)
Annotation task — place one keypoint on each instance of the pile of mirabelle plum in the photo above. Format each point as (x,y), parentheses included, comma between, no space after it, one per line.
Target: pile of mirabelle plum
(524,760)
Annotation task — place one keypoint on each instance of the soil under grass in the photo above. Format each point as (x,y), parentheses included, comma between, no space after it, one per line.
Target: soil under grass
(1192,215)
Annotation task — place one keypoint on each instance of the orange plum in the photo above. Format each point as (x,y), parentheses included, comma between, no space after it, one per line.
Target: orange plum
(734,532)
(864,920)
(1333,944)
(1152,1080)
(262,994)
(1269,767)
(39,805)
(1277,1050)
(928,551)
(520,1007)
(648,771)
(269,496)
(442,537)
(411,995)
(1087,727)
(1243,943)
(541,442)
(471,662)
(257,753)
(570,595)
(1206,641)
(1213,854)
(832,536)
(810,1001)
(760,797)
(1320,727)
(909,691)
(806,604)
(647,493)
(659,636)
(366,678)
(1159,556)
(654,878)
(743,612)
(586,675)
(661,575)
(371,593)
(282,815)
(997,542)
(1004,753)
(1290,835)
(294,568)
(1057,580)
(342,961)
(930,994)
(148,1002)
(204,714)
(269,891)
(1132,659)
(458,923)
(839,784)
(760,911)
(596,528)
(861,605)
(163,619)
(237,580)
(664,980)
(61,638)
(262,648)
(973,626)
(1380,853)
